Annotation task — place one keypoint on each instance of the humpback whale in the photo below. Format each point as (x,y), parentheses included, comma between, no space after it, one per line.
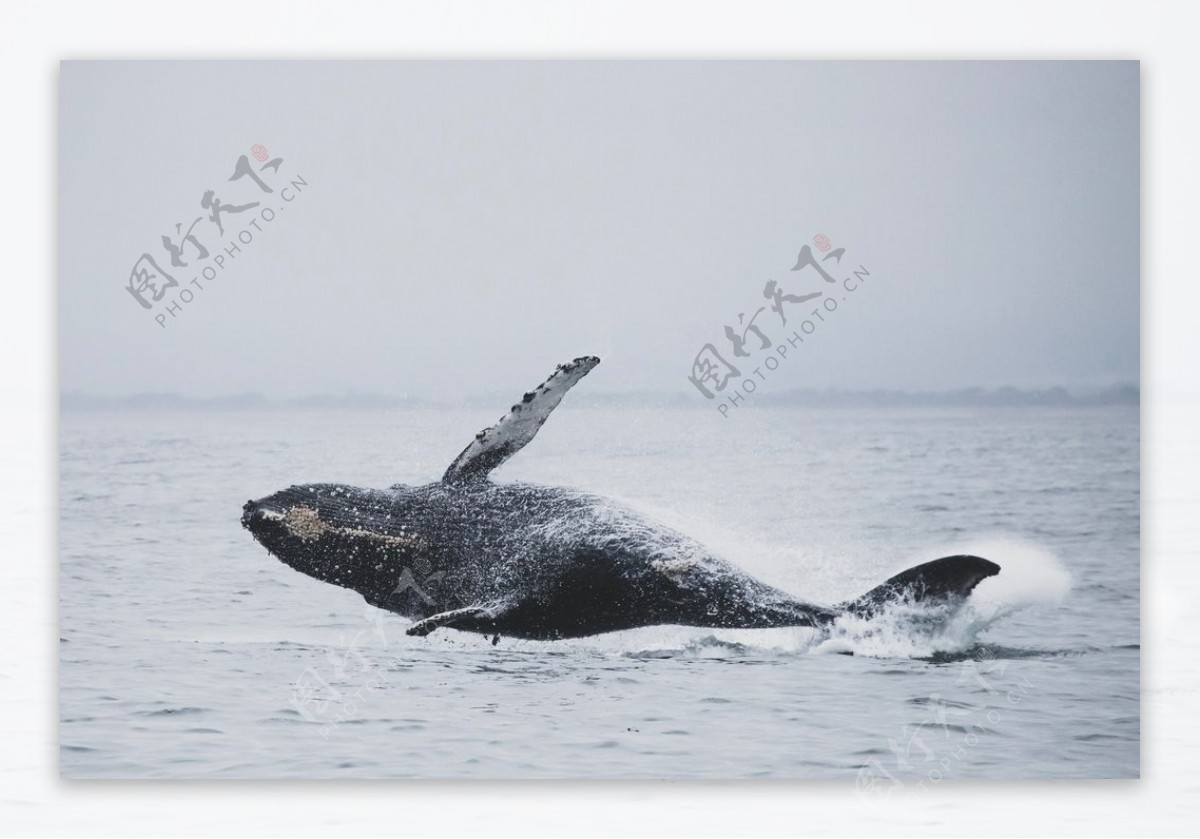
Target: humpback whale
(540,562)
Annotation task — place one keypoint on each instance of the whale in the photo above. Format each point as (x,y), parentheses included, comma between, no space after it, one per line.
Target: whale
(544,563)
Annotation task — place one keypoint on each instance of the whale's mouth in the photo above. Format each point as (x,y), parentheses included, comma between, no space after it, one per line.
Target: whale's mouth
(256,514)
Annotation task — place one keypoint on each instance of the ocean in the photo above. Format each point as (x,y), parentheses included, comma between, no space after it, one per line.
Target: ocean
(188,652)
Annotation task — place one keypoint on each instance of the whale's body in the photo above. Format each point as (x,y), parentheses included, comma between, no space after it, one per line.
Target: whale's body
(539,562)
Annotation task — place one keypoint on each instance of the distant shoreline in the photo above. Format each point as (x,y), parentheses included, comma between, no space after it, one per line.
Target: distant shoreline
(1056,397)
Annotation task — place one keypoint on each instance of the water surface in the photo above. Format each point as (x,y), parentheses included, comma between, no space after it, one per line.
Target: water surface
(188,652)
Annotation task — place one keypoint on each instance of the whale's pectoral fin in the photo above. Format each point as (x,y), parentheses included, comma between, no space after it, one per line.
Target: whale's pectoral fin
(942,580)
(454,616)
(494,445)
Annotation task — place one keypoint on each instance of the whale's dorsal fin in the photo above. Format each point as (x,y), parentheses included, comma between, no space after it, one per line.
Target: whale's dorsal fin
(494,445)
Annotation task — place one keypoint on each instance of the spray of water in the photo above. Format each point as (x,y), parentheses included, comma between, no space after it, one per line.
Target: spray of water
(1030,576)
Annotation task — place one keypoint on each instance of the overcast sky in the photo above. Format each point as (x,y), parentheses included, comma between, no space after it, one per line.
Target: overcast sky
(469,225)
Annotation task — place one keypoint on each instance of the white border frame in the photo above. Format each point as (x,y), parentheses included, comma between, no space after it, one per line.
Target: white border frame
(32,798)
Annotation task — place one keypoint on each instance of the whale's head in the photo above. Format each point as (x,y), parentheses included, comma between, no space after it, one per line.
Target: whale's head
(360,539)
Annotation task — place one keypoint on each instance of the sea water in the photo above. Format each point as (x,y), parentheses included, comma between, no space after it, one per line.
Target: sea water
(187,651)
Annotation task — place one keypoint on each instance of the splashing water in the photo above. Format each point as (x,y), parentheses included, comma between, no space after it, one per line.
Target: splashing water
(1029,576)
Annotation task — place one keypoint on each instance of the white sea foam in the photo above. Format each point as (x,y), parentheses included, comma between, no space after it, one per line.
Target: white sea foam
(1030,576)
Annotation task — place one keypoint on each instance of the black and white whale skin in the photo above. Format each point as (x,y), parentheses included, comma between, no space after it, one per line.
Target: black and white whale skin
(541,562)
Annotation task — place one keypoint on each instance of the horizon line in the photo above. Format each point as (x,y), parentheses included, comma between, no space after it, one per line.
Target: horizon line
(1056,395)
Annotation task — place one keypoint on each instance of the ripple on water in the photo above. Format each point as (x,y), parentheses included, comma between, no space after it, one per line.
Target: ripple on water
(172,712)
(213,694)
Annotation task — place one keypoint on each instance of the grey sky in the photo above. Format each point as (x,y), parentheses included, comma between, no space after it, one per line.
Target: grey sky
(472,224)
